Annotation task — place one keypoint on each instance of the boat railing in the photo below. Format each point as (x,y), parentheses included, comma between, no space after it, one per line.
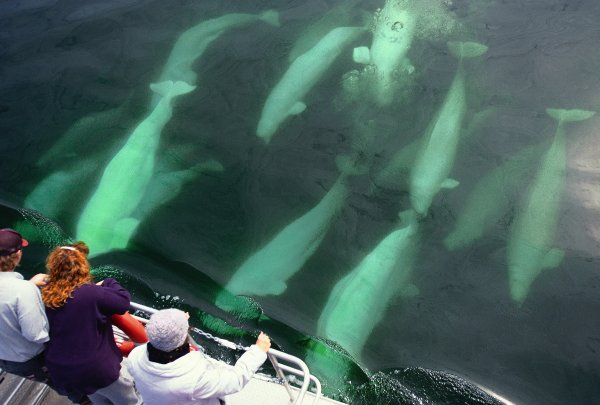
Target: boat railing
(276,357)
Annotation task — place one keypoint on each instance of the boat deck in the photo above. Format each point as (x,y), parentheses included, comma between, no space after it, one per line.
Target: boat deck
(15,390)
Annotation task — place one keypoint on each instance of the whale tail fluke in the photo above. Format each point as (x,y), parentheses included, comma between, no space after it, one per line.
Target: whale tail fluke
(563,115)
(271,17)
(350,166)
(171,89)
(408,217)
(461,50)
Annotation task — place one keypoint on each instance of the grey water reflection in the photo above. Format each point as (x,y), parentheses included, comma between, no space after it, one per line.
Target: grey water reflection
(419,187)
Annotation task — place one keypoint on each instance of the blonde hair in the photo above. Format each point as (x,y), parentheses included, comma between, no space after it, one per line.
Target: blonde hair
(9,262)
(68,268)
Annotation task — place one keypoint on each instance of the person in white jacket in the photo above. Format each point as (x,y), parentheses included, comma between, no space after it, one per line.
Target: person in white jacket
(166,372)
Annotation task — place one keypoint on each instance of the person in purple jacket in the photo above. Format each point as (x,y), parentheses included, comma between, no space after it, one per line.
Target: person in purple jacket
(82,357)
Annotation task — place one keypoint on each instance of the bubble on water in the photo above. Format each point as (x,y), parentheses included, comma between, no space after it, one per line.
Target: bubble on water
(218,326)
(377,18)
(434,20)
(397,26)
(351,83)
(422,386)
(241,307)
(35,227)
(371,71)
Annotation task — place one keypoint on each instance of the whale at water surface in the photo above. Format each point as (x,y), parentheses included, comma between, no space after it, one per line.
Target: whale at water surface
(393,34)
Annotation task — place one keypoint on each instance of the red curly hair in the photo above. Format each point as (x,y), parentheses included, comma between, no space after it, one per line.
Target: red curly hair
(68,268)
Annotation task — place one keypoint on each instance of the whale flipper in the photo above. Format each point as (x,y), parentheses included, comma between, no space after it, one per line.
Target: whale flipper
(450,183)
(169,87)
(277,288)
(553,258)
(297,108)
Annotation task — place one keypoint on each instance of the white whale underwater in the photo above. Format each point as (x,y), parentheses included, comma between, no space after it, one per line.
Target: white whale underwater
(71,164)
(359,300)
(491,198)
(393,34)
(267,271)
(108,219)
(531,236)
(436,157)
(286,98)
(193,42)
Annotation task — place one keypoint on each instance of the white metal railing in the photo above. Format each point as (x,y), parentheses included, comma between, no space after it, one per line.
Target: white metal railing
(275,356)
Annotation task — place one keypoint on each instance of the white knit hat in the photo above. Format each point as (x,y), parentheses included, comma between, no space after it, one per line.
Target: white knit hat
(167,329)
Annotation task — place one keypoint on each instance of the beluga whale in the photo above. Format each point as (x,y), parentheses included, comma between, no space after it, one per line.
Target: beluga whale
(491,198)
(339,15)
(359,300)
(75,159)
(532,233)
(393,33)
(395,173)
(107,220)
(193,42)
(395,27)
(267,271)
(286,98)
(438,147)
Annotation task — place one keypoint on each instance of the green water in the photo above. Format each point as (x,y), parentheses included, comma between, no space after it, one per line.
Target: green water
(282,176)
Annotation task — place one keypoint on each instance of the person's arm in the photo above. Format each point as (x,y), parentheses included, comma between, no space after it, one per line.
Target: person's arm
(222,379)
(40,280)
(114,298)
(32,316)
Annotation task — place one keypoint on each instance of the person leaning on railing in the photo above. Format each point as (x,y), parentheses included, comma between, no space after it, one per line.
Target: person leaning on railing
(23,323)
(82,357)
(166,372)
